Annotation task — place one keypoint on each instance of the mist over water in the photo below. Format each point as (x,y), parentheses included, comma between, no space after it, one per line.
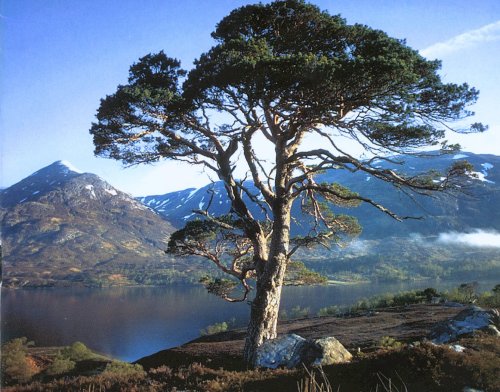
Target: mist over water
(476,238)
(129,323)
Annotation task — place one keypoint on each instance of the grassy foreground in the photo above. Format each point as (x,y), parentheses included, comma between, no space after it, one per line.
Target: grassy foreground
(422,367)
(403,361)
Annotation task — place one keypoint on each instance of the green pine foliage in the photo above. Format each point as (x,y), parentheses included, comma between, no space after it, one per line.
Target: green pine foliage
(283,70)
(390,343)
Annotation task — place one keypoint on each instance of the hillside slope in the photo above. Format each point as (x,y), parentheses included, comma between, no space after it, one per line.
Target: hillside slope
(458,236)
(60,225)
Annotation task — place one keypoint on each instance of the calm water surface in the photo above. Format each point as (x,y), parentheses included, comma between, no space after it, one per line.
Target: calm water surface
(129,323)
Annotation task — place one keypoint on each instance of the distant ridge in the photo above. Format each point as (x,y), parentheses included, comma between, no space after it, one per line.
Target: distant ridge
(38,183)
(458,237)
(472,210)
(62,225)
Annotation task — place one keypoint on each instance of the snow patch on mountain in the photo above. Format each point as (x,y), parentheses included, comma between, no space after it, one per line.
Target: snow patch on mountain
(481,176)
(486,167)
(90,188)
(69,166)
(460,156)
(112,192)
(191,194)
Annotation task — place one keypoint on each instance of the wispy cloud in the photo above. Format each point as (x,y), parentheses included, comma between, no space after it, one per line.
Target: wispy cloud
(488,33)
(477,238)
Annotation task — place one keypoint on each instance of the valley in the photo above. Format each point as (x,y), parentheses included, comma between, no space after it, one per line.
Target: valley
(64,228)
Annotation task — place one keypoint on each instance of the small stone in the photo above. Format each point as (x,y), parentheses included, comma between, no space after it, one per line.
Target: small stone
(457,348)
(332,352)
(492,330)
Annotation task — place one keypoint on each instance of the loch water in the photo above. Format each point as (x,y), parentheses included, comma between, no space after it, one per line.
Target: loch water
(128,323)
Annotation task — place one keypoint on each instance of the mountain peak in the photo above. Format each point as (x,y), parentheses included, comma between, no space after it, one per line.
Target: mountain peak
(58,168)
(62,225)
(67,166)
(40,182)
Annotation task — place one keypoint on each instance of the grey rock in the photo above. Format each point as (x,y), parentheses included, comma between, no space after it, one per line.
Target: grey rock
(492,330)
(467,321)
(457,348)
(282,351)
(291,351)
(332,352)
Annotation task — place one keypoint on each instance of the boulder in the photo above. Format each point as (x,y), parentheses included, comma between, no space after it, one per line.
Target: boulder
(332,352)
(457,348)
(291,351)
(283,351)
(467,321)
(492,330)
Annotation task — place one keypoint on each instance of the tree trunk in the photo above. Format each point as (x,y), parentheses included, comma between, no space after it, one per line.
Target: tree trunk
(265,306)
(264,311)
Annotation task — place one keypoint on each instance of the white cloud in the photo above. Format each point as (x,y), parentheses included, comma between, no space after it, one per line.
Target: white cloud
(488,33)
(476,238)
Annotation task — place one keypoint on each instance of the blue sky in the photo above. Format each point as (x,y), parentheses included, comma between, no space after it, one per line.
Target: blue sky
(60,57)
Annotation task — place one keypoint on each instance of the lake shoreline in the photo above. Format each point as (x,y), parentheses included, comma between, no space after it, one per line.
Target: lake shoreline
(362,330)
(214,362)
(128,323)
(367,324)
(331,282)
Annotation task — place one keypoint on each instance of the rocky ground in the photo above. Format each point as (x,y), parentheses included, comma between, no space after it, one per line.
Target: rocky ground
(362,331)
(407,361)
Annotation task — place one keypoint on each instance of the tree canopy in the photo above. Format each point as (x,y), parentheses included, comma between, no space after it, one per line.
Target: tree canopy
(282,74)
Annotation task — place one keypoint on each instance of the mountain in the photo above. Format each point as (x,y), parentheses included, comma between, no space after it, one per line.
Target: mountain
(458,236)
(64,227)
(178,206)
(471,209)
(61,225)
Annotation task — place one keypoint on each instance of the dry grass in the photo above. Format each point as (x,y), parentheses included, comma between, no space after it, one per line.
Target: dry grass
(424,367)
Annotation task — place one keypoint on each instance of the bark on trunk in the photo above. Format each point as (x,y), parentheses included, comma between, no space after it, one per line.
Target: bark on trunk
(264,310)
(265,306)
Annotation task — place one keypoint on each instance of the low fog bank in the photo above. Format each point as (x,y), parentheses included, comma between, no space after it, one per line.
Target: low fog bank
(476,238)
